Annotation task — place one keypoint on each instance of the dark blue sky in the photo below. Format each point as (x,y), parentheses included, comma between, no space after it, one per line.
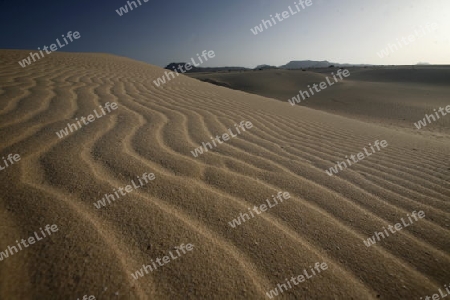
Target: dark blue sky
(159,32)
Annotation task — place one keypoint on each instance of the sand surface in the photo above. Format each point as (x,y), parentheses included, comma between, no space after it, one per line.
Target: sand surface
(387,96)
(192,199)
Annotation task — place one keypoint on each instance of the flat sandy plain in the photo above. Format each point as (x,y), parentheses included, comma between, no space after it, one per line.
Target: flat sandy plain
(192,199)
(388,96)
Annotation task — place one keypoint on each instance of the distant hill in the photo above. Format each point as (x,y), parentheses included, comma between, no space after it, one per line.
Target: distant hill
(313,64)
(171,67)
(265,67)
(304,64)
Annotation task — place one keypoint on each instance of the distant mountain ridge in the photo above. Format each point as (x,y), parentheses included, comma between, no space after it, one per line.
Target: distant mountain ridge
(265,67)
(194,69)
(292,65)
(305,64)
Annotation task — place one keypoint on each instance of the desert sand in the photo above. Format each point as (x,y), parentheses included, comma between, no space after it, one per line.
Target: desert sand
(192,199)
(396,96)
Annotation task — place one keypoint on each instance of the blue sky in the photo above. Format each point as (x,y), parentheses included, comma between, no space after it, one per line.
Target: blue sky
(160,32)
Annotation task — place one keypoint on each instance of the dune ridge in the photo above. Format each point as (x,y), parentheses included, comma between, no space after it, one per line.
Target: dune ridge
(192,199)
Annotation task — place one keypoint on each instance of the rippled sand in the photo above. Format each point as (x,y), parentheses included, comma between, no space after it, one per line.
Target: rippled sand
(192,199)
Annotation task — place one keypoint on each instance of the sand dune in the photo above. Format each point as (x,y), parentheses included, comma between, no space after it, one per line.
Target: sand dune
(192,199)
